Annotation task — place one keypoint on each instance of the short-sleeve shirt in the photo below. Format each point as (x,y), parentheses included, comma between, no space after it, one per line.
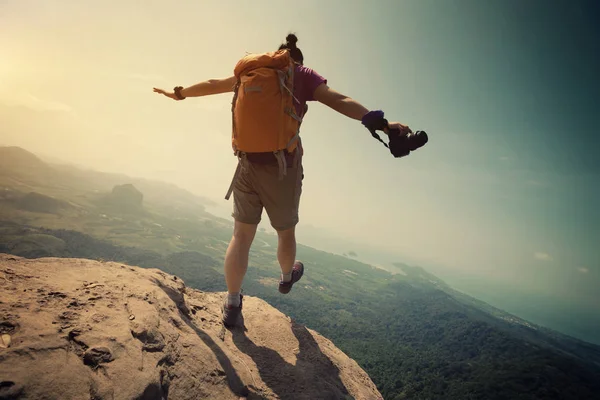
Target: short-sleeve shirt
(306,81)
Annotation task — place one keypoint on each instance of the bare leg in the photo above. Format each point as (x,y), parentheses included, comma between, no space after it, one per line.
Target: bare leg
(286,251)
(236,257)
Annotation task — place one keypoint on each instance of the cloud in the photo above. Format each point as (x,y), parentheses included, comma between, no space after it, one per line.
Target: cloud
(583,270)
(504,158)
(542,256)
(32,102)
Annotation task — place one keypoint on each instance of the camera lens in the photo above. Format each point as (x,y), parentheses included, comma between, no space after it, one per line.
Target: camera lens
(417,139)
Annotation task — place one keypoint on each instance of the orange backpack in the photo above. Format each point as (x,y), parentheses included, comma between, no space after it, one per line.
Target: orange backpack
(263,112)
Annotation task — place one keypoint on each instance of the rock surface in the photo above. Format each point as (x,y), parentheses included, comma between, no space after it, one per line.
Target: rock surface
(82,329)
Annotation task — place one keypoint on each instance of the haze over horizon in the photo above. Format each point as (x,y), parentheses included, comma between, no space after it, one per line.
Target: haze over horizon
(503,199)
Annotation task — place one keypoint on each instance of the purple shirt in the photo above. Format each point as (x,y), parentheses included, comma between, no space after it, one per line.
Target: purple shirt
(306,80)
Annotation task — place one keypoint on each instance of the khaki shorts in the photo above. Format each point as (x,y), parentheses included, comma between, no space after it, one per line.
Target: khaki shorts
(258,186)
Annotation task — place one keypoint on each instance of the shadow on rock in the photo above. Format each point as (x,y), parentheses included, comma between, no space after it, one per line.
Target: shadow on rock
(234,381)
(313,377)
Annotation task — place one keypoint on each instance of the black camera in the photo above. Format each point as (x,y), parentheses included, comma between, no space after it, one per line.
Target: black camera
(401,145)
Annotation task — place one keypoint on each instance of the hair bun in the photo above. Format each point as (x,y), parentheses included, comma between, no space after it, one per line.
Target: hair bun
(291,40)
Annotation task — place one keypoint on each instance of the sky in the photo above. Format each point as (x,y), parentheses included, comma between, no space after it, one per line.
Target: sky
(503,199)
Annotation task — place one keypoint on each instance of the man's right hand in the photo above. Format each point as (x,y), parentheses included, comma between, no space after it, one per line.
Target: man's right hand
(397,126)
(170,95)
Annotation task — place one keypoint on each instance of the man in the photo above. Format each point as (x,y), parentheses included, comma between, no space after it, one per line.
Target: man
(264,180)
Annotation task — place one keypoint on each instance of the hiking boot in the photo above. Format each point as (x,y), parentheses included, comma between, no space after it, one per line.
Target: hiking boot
(297,272)
(231,313)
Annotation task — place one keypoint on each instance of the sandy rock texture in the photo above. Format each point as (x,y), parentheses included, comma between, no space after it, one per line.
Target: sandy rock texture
(82,329)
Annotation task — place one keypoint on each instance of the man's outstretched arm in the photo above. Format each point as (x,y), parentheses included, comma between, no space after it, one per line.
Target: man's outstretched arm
(348,106)
(206,88)
(339,102)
